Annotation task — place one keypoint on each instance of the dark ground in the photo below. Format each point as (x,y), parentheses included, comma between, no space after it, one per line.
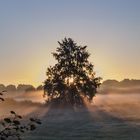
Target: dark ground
(85,124)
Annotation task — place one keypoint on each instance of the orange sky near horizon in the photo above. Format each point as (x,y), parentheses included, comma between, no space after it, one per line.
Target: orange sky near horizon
(29,31)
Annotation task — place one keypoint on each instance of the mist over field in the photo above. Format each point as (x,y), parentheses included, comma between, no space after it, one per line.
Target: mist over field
(111,115)
(115,103)
(117,100)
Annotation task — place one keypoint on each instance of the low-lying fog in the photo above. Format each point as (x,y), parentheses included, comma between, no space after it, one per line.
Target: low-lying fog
(119,105)
(112,115)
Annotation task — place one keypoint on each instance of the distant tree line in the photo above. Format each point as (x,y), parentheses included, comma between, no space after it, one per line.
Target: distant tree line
(28,87)
(107,83)
(20,87)
(123,83)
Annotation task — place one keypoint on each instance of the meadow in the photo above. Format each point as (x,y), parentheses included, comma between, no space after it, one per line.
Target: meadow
(110,116)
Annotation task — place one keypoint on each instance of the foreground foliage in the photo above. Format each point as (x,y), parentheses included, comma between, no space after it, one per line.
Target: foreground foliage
(14,125)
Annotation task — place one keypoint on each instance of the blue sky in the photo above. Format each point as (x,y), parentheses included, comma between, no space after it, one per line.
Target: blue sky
(30,29)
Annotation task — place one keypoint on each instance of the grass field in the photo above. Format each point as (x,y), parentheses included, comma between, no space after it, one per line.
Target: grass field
(110,117)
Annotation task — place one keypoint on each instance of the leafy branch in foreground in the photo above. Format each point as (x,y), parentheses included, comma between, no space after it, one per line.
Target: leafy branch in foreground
(1,95)
(14,126)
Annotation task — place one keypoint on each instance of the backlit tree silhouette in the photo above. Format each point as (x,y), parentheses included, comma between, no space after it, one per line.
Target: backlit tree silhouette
(72,78)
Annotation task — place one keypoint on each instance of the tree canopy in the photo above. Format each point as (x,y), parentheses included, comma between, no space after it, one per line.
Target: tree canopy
(72,78)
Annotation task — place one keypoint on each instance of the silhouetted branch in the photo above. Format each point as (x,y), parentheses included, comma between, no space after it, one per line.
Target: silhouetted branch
(14,125)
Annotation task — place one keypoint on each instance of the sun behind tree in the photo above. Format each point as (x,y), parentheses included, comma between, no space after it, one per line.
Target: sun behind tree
(72,78)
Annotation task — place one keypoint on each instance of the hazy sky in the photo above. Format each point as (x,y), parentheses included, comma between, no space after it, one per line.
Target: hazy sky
(30,29)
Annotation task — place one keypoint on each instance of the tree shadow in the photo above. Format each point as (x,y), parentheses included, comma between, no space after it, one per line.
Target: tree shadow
(66,123)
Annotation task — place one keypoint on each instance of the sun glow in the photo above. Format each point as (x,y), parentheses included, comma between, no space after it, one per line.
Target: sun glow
(69,80)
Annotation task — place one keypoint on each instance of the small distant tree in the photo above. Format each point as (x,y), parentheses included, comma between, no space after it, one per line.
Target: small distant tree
(30,89)
(2,87)
(11,88)
(23,87)
(72,78)
(40,87)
